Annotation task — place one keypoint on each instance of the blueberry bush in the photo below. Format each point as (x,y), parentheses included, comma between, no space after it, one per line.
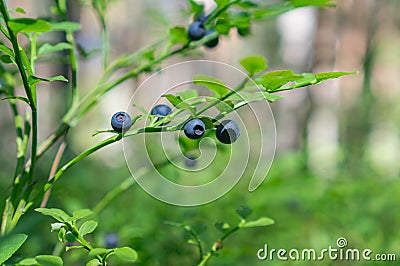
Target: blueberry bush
(23,44)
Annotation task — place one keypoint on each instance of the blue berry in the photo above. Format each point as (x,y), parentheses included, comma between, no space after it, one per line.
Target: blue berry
(121,121)
(227,132)
(196,31)
(194,128)
(190,161)
(213,42)
(160,111)
(111,240)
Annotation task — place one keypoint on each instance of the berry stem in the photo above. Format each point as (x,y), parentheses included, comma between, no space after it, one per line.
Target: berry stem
(72,162)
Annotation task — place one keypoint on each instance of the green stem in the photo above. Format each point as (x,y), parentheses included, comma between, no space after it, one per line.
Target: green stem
(226,96)
(123,186)
(88,101)
(206,258)
(22,147)
(104,36)
(197,240)
(221,240)
(28,90)
(18,59)
(75,160)
(74,67)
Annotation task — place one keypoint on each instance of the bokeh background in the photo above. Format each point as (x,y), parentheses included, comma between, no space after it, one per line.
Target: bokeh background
(336,170)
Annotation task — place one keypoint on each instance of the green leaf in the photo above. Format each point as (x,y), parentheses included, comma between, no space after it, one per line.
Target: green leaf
(28,25)
(177,102)
(226,106)
(17,10)
(67,26)
(319,3)
(222,227)
(28,261)
(192,242)
(272,97)
(195,7)
(331,75)
(9,245)
(213,84)
(126,254)
(221,3)
(271,12)
(274,80)
(244,211)
(33,79)
(6,50)
(223,26)
(79,214)
(174,100)
(263,221)
(308,79)
(178,35)
(93,262)
(67,248)
(6,59)
(87,227)
(19,98)
(57,214)
(207,122)
(61,234)
(98,251)
(254,64)
(187,94)
(48,48)
(48,260)
(246,4)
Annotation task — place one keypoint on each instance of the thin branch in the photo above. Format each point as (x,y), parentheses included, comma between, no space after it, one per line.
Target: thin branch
(53,170)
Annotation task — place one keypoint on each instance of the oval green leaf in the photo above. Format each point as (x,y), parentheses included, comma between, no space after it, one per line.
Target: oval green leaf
(254,64)
(126,254)
(57,214)
(98,251)
(9,245)
(48,260)
(213,84)
(87,227)
(263,221)
(28,25)
(93,262)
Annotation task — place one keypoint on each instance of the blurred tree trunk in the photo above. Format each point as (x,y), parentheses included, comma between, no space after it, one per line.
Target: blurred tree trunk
(357,119)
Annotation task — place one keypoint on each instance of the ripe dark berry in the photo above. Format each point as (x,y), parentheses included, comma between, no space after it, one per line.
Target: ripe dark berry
(111,240)
(161,110)
(190,161)
(194,128)
(196,31)
(121,121)
(227,132)
(213,42)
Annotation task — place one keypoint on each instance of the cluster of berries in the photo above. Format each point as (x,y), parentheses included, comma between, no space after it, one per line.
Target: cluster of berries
(226,132)
(197,31)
